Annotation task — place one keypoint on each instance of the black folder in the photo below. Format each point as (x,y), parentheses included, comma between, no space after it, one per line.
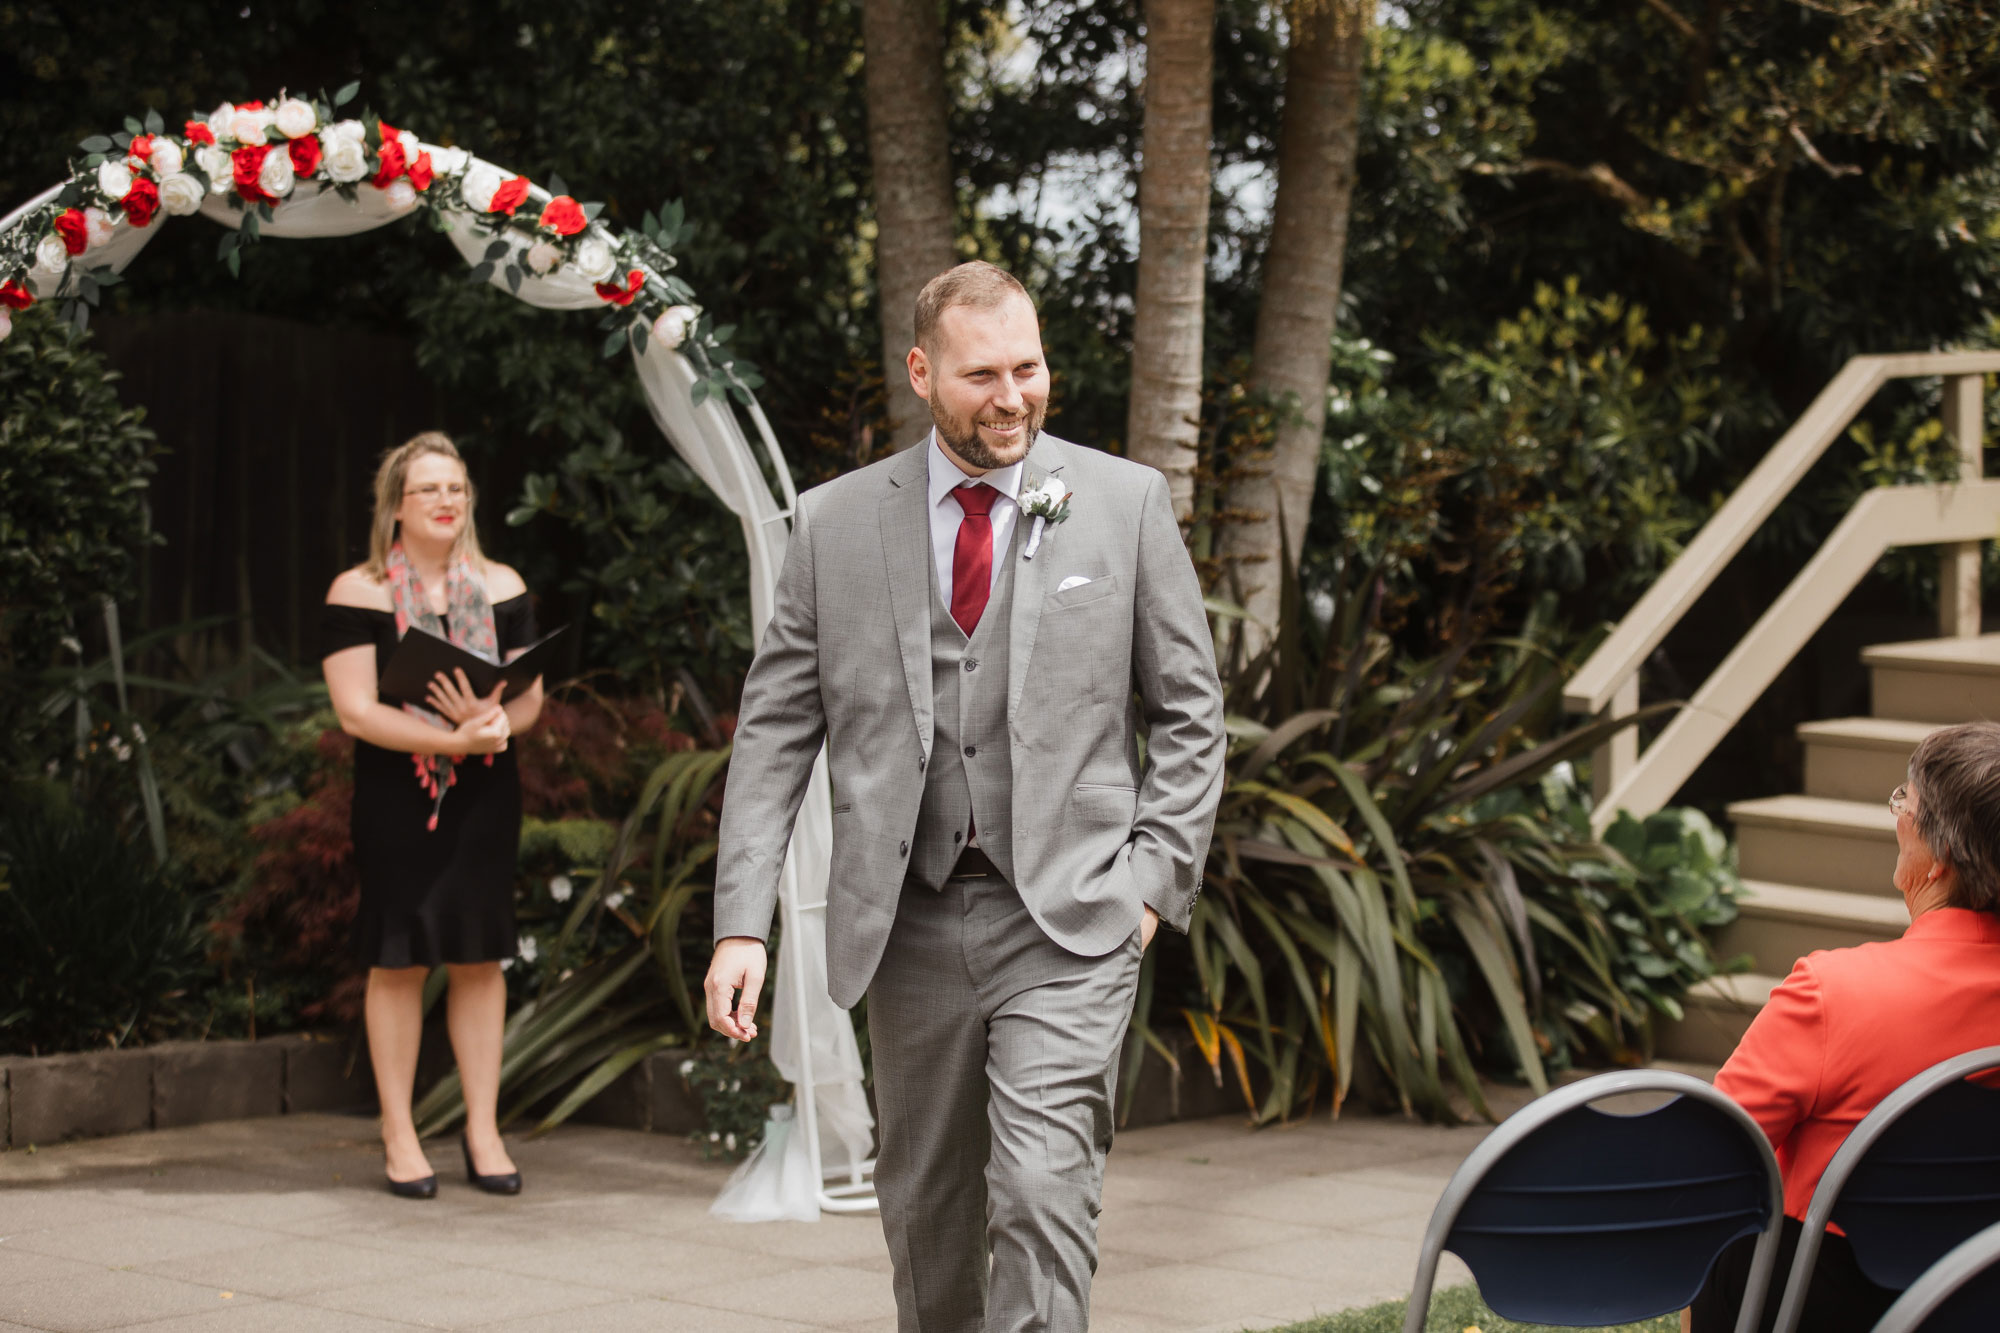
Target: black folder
(422,655)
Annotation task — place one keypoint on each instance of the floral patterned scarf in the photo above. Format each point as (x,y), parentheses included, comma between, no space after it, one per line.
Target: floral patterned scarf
(467,622)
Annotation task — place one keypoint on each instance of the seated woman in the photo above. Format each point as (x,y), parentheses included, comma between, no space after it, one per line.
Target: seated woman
(1850,1026)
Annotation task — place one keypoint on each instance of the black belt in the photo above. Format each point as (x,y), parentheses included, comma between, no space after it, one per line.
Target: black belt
(974,864)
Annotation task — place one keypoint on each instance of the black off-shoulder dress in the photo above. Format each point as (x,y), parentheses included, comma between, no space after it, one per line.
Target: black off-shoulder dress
(432,896)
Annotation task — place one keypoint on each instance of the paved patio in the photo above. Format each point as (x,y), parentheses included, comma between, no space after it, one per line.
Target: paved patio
(283,1224)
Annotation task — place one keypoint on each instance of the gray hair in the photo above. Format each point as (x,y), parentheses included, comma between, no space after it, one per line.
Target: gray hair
(1955,774)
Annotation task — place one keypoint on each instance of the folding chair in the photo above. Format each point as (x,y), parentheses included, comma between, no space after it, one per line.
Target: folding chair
(1919,1174)
(1570,1215)
(1960,1293)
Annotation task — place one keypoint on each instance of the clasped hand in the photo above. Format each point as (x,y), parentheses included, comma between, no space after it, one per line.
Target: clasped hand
(480,723)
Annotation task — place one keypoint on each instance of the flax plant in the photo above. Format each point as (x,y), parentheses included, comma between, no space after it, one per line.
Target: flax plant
(1403,880)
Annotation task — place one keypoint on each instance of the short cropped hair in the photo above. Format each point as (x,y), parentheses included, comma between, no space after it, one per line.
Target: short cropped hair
(1955,773)
(977,284)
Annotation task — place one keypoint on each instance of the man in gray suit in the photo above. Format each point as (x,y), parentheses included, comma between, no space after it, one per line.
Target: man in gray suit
(980,663)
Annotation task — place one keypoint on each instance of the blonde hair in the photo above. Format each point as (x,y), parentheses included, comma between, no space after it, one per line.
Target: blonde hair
(390,479)
(977,283)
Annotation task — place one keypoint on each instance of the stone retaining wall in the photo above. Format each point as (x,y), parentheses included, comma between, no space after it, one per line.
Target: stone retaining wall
(48,1099)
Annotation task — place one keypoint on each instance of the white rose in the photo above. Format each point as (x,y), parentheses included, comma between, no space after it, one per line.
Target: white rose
(180,194)
(98,225)
(449,161)
(115,179)
(218,119)
(277,178)
(349,129)
(531,948)
(560,888)
(6,328)
(672,327)
(594,260)
(215,164)
(346,161)
(296,119)
(248,127)
(401,193)
(411,144)
(543,257)
(51,256)
(167,157)
(478,186)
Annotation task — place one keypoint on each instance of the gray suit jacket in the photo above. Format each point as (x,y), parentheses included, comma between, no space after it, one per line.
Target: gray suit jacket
(846,659)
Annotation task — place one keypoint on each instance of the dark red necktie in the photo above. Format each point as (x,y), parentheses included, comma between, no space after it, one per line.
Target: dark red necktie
(972,555)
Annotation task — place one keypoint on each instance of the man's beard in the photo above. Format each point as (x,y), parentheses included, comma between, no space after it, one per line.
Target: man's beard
(962,438)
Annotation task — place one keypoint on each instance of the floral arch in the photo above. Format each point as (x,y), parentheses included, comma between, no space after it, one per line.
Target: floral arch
(296,167)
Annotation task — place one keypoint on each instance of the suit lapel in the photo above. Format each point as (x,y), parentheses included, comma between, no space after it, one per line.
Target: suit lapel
(1030,576)
(906,553)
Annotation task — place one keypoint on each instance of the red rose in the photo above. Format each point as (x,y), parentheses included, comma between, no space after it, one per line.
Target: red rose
(15,297)
(393,163)
(198,132)
(248,163)
(564,216)
(249,106)
(141,202)
(510,196)
(617,295)
(305,152)
(75,232)
(421,172)
(388,131)
(141,149)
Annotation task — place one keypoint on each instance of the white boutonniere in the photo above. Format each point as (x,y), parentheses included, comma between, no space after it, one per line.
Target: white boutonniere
(1047,503)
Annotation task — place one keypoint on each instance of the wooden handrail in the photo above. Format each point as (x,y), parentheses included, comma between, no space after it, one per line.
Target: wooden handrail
(1618,658)
(1883,518)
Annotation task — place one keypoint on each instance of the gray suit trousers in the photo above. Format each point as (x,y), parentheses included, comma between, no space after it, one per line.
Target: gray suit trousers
(994,1051)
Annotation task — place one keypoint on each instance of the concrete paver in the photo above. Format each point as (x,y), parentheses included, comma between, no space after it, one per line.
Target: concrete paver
(283,1224)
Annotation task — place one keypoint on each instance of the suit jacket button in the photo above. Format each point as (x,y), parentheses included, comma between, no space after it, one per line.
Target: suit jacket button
(971,664)
(903,849)
(971,750)
(921,761)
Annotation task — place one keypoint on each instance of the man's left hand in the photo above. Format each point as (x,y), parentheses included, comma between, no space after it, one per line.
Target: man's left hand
(1147,929)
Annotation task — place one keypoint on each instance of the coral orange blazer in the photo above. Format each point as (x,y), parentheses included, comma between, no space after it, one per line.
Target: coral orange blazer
(1849,1026)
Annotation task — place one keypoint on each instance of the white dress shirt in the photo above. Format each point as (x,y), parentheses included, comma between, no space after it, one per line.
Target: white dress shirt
(946,476)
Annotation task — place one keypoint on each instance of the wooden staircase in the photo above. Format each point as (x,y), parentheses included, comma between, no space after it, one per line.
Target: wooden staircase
(1817,866)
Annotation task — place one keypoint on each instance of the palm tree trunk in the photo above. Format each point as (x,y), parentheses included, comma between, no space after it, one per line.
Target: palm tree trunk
(1164,419)
(1293,352)
(914,208)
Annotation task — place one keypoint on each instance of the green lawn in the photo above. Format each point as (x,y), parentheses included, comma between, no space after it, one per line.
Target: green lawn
(1453,1310)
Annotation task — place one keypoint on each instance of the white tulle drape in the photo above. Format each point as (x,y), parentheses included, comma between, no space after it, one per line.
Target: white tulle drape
(808,1031)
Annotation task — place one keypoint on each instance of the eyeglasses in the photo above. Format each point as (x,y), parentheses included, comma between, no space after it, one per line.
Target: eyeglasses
(432,493)
(1899,800)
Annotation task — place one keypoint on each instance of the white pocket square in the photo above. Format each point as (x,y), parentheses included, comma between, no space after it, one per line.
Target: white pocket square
(1073,581)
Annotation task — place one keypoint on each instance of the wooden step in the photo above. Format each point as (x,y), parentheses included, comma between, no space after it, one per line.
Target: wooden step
(1859,758)
(1718,1011)
(1778,924)
(1936,680)
(1820,843)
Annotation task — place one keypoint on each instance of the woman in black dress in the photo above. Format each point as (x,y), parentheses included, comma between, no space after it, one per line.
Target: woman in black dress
(437,797)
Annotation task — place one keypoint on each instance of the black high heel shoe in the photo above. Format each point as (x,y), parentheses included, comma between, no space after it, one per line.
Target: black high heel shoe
(507,1184)
(424,1187)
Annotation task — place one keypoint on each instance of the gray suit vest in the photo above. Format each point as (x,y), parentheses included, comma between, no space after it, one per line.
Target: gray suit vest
(970,774)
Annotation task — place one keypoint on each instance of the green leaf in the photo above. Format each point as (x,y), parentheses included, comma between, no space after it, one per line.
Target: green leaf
(497,251)
(615,344)
(481,272)
(346,93)
(154,124)
(96,143)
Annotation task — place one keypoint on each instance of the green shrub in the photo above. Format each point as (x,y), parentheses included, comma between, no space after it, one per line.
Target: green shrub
(74,466)
(98,946)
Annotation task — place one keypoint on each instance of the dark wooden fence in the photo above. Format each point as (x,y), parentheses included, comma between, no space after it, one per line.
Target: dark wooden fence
(271,430)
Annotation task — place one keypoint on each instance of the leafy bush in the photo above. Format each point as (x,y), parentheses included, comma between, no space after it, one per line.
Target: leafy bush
(98,946)
(736,1085)
(1393,877)
(74,466)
